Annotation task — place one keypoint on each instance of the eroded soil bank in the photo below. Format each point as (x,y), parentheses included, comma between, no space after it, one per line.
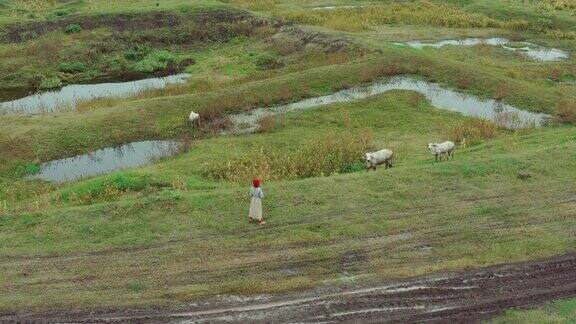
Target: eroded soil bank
(464,296)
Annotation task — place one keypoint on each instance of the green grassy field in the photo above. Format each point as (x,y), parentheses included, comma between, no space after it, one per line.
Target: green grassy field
(557,312)
(177,230)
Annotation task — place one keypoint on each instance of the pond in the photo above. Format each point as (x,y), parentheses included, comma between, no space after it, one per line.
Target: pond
(534,52)
(106,160)
(66,98)
(442,98)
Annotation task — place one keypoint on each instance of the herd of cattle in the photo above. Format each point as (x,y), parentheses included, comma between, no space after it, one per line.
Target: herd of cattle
(385,156)
(382,157)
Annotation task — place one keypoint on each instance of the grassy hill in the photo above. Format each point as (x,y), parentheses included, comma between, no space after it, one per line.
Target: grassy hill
(177,230)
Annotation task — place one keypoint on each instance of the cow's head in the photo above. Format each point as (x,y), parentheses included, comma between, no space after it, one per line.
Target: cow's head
(367,157)
(430,146)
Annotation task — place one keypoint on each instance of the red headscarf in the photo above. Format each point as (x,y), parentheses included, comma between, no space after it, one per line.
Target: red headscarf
(256,183)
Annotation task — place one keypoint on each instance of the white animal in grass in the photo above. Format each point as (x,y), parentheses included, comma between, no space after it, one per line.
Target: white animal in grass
(440,149)
(194,118)
(374,159)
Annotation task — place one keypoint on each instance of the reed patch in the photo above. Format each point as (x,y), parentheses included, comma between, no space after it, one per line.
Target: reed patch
(326,155)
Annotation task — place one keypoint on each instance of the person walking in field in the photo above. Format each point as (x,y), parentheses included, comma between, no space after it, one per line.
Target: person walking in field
(256,194)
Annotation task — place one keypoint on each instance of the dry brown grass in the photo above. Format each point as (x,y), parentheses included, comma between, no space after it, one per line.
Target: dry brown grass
(566,112)
(472,130)
(266,124)
(322,156)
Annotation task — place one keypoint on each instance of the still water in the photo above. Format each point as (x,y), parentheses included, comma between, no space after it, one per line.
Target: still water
(66,98)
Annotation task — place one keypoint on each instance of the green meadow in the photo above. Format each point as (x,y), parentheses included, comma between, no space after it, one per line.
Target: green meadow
(177,230)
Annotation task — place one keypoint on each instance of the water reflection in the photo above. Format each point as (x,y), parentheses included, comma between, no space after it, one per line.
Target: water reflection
(503,114)
(67,97)
(106,160)
(535,52)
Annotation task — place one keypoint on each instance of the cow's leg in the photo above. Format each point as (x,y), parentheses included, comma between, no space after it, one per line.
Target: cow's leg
(436,156)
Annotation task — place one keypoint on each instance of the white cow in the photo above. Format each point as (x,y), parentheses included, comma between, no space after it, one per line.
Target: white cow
(439,149)
(374,159)
(194,118)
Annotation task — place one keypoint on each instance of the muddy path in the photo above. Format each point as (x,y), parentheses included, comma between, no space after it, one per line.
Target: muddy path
(463,296)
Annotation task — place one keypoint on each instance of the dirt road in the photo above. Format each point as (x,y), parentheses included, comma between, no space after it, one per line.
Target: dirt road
(465,296)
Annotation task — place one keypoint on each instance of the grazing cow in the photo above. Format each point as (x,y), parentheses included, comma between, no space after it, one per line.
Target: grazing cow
(194,118)
(374,159)
(439,149)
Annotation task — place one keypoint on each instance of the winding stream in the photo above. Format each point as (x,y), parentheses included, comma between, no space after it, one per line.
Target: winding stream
(442,98)
(106,160)
(66,98)
(535,52)
(143,153)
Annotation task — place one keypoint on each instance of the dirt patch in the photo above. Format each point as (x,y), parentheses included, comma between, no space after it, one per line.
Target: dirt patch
(464,296)
(22,31)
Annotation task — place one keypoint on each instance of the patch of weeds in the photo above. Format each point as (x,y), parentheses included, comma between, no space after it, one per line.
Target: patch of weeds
(354,167)
(50,83)
(137,53)
(566,112)
(106,187)
(322,156)
(135,287)
(267,61)
(155,61)
(471,131)
(266,124)
(26,169)
(72,67)
(172,194)
(72,29)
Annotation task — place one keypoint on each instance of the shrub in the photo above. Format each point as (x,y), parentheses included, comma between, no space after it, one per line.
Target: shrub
(330,154)
(267,62)
(50,83)
(471,131)
(566,112)
(137,53)
(72,67)
(155,61)
(72,28)
(266,124)
(286,44)
(26,169)
(106,187)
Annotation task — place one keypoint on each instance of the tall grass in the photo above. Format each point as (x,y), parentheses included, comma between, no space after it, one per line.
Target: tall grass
(323,156)
(424,13)
(566,112)
(472,130)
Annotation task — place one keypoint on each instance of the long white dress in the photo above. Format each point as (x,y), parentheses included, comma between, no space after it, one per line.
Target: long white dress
(256,204)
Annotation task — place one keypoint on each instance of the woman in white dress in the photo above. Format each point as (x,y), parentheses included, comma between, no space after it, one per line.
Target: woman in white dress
(256,204)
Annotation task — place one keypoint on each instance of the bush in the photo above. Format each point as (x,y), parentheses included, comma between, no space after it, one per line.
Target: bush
(26,169)
(106,187)
(137,53)
(267,62)
(72,28)
(286,44)
(471,131)
(72,67)
(330,154)
(155,61)
(50,83)
(566,112)
(266,124)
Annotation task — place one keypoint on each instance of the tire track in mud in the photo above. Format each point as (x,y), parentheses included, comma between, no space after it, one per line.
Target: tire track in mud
(463,296)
